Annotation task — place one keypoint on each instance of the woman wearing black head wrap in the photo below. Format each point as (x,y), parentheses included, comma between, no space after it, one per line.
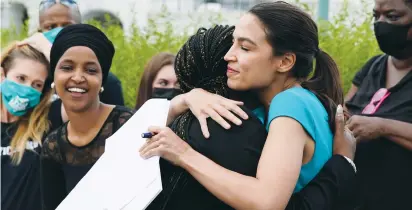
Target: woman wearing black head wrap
(200,64)
(80,61)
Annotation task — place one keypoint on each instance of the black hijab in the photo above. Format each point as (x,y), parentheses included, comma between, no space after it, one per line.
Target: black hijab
(87,36)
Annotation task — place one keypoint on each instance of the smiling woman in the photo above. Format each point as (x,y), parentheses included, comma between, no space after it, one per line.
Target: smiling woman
(71,84)
(81,57)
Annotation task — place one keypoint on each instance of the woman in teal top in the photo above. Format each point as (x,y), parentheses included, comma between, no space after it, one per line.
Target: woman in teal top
(274,47)
(303,106)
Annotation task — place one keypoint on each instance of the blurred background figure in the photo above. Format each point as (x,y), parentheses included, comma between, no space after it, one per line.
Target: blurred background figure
(158,79)
(53,14)
(14,16)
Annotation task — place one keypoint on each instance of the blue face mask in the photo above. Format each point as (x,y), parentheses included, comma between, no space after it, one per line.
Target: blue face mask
(18,98)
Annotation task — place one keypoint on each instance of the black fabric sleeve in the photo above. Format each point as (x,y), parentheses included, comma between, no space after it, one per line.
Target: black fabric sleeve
(330,189)
(360,75)
(113,92)
(53,185)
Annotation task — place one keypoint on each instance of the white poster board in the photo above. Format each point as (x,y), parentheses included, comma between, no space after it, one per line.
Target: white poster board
(121,179)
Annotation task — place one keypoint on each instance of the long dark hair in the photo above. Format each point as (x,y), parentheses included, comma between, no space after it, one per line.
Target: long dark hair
(150,72)
(291,30)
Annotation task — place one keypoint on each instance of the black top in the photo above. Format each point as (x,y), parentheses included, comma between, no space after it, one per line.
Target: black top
(239,150)
(64,164)
(384,170)
(20,189)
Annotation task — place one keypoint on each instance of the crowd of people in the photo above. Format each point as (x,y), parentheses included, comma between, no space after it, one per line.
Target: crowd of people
(258,117)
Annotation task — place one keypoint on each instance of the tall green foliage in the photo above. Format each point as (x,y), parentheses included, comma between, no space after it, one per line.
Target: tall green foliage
(351,42)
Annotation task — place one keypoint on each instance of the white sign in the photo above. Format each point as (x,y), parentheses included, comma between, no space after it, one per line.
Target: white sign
(121,179)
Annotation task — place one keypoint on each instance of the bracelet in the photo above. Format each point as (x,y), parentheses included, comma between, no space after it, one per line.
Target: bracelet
(351,162)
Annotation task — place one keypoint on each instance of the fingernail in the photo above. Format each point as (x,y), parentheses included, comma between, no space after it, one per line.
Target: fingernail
(339,110)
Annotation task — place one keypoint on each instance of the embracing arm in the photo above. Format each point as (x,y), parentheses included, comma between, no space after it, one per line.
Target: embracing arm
(277,172)
(211,105)
(397,131)
(177,107)
(328,189)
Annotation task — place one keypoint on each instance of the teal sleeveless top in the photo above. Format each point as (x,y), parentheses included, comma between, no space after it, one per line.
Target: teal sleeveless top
(303,106)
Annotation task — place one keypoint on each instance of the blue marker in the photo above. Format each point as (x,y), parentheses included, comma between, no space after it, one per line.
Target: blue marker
(147,135)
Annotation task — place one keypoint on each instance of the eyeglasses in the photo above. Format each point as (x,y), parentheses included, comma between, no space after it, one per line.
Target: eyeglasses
(376,101)
(45,4)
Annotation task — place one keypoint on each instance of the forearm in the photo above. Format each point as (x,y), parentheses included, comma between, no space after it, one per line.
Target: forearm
(177,107)
(398,132)
(236,190)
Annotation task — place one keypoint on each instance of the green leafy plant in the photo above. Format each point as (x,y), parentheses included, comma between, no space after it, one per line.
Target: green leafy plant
(351,42)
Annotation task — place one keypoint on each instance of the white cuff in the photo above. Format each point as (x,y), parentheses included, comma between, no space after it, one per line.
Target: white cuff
(351,162)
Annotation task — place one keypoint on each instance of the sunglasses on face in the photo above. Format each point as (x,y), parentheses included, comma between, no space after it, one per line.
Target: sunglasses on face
(45,4)
(376,101)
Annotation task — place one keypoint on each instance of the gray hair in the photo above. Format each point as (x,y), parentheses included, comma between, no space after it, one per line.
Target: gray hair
(77,17)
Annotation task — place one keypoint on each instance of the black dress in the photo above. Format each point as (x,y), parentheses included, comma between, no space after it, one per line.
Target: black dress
(64,164)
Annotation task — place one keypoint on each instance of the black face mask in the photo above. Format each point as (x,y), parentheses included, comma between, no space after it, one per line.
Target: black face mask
(393,39)
(167,93)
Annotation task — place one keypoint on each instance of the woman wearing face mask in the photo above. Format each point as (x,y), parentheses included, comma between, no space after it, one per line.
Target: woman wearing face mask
(275,45)
(158,79)
(80,59)
(381,106)
(25,101)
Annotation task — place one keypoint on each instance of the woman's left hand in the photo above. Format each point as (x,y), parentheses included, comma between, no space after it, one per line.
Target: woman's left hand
(165,144)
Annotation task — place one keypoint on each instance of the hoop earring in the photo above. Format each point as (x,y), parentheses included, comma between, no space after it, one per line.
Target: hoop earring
(52,85)
(101,89)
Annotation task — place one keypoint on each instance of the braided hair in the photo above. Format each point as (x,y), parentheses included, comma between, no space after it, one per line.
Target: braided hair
(200,64)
